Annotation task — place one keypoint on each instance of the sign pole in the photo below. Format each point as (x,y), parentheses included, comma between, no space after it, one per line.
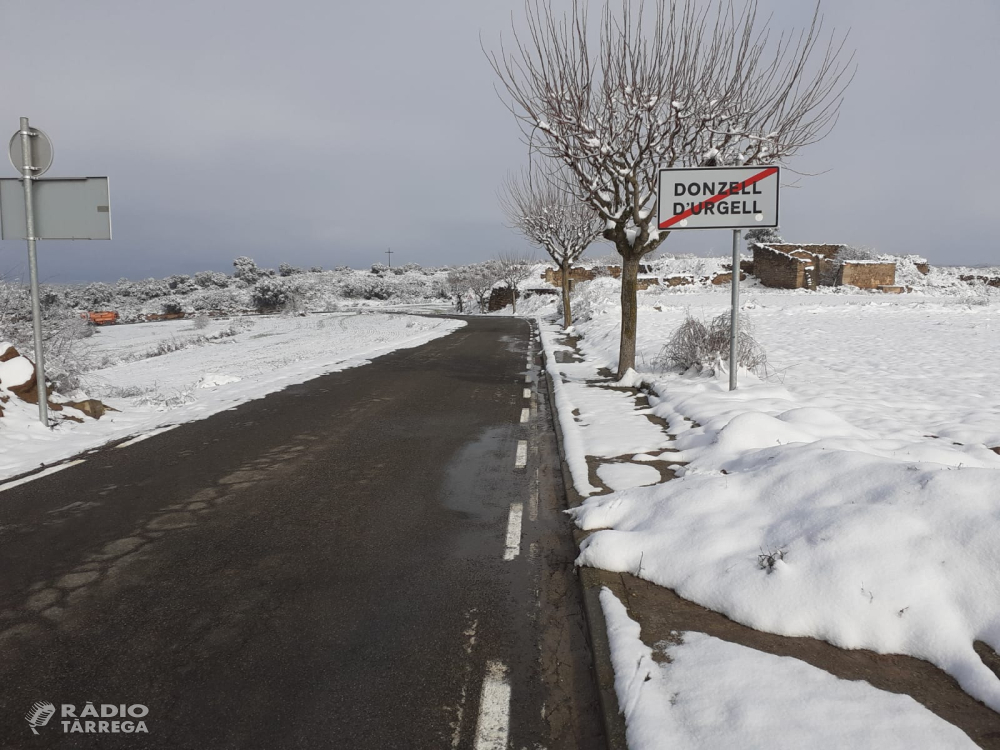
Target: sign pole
(735,315)
(36,309)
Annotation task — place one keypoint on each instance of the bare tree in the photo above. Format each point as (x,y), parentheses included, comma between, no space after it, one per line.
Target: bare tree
(512,269)
(677,83)
(458,284)
(552,219)
(482,277)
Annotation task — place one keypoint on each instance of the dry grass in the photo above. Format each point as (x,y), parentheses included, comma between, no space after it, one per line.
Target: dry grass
(702,346)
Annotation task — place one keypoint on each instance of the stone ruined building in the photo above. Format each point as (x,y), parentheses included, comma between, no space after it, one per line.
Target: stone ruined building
(578,274)
(792,266)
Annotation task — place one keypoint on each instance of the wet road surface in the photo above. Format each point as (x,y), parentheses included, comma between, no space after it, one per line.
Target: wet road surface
(321,568)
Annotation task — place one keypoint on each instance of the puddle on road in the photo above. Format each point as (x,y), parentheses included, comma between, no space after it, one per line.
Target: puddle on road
(467,478)
(513,344)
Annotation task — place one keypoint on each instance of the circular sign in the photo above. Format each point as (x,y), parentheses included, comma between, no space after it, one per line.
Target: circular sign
(41,152)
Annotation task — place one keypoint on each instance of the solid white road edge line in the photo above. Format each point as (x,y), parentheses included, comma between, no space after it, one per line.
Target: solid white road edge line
(39,475)
(152,433)
(525,414)
(522,454)
(493,726)
(513,547)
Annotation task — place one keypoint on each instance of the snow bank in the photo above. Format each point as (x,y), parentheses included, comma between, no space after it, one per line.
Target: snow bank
(715,694)
(852,497)
(199,375)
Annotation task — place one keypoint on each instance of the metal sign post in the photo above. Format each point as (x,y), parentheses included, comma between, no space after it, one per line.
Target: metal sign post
(36,308)
(720,198)
(73,208)
(734,317)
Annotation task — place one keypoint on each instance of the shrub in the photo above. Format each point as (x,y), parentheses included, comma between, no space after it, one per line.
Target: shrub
(172,307)
(763,236)
(270,293)
(208,279)
(246,270)
(706,347)
(67,357)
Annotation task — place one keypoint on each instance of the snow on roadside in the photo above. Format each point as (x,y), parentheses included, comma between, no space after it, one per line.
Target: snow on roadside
(827,505)
(196,378)
(712,693)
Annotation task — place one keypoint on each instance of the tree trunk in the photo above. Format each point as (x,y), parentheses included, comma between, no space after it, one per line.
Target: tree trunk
(630,274)
(567,317)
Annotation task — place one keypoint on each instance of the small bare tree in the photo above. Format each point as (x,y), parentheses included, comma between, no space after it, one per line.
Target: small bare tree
(551,218)
(482,277)
(458,284)
(673,84)
(512,269)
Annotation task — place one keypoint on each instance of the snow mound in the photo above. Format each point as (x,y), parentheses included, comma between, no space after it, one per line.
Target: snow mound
(16,371)
(212,380)
(713,693)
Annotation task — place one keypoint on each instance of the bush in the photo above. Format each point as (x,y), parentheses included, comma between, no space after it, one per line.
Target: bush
(763,236)
(269,294)
(208,279)
(172,307)
(706,347)
(67,357)
(245,269)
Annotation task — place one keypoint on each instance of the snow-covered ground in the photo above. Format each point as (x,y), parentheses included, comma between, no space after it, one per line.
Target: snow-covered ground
(201,372)
(850,496)
(707,693)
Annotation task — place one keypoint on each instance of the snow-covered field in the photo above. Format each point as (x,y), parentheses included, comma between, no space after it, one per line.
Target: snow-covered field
(851,496)
(716,694)
(202,371)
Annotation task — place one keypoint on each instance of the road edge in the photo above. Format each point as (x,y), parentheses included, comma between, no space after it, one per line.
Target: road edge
(591,581)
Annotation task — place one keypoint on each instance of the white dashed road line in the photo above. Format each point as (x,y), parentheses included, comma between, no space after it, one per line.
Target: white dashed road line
(513,547)
(527,393)
(525,414)
(522,454)
(493,726)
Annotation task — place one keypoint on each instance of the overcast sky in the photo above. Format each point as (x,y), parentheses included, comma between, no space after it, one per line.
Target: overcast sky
(323,133)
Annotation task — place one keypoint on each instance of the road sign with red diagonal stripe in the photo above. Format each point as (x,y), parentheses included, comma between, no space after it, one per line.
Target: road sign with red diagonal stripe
(718,198)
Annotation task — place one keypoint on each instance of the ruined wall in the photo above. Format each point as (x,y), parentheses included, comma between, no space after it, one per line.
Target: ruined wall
(779,269)
(866,275)
(500,297)
(577,274)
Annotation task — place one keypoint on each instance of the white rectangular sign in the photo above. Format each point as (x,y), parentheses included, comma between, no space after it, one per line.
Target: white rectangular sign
(718,198)
(66,208)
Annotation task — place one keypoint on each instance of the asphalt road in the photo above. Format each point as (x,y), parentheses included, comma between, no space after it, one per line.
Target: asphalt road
(321,568)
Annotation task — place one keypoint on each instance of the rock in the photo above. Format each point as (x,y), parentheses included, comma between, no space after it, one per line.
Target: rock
(9,353)
(91,407)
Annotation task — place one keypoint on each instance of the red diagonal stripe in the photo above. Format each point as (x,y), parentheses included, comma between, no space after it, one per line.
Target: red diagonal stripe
(716,198)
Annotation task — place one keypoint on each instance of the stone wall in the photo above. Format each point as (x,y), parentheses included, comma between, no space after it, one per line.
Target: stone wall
(779,269)
(500,297)
(554,275)
(789,266)
(866,275)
